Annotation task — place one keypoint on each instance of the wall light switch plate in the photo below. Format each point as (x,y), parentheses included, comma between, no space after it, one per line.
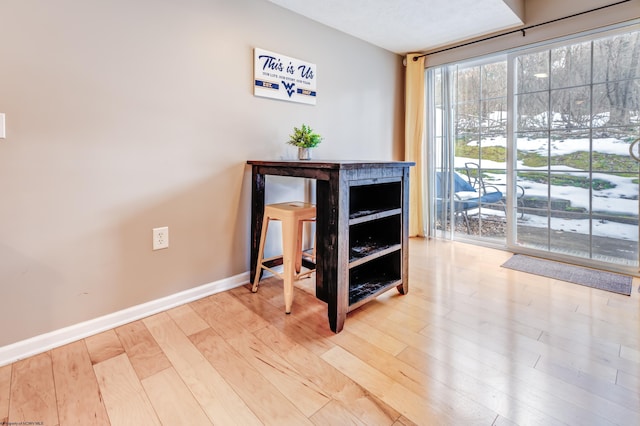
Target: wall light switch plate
(3,134)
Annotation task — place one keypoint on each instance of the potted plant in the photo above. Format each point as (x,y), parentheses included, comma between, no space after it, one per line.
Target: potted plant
(305,139)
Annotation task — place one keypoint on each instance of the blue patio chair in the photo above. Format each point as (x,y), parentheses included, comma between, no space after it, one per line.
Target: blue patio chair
(466,197)
(475,179)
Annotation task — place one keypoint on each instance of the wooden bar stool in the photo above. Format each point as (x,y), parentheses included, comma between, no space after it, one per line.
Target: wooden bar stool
(292,215)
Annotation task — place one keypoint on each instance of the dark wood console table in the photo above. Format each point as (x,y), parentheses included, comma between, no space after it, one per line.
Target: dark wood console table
(361,227)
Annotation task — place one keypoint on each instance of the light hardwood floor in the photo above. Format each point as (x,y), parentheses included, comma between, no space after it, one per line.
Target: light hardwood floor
(471,343)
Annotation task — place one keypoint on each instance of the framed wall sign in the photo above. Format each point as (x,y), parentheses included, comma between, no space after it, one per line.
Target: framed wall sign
(280,77)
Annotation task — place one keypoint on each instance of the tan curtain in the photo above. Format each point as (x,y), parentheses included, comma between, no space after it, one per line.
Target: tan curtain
(414,131)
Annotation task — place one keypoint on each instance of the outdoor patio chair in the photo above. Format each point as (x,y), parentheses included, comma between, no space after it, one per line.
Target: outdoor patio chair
(466,198)
(476,180)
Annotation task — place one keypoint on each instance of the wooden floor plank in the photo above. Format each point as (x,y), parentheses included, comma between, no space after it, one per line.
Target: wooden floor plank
(78,395)
(188,321)
(536,382)
(357,400)
(104,346)
(144,353)
(304,394)
(33,394)
(218,399)
(224,307)
(378,338)
(264,399)
(5,389)
(334,413)
(606,353)
(455,404)
(593,384)
(223,315)
(630,354)
(610,311)
(412,406)
(468,376)
(447,344)
(628,381)
(493,311)
(403,421)
(502,421)
(617,304)
(506,348)
(172,400)
(577,406)
(124,398)
(504,336)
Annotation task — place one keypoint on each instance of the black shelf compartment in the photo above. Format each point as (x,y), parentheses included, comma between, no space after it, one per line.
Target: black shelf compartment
(374,199)
(373,239)
(374,277)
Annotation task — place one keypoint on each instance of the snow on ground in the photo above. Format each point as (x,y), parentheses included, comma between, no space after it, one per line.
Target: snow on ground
(613,200)
(560,147)
(609,229)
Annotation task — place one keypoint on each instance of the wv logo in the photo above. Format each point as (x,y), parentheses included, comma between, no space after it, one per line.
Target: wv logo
(289,87)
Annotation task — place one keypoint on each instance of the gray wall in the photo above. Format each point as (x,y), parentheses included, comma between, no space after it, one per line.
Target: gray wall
(127,115)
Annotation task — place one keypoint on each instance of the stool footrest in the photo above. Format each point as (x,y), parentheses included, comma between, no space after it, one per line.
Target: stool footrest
(296,276)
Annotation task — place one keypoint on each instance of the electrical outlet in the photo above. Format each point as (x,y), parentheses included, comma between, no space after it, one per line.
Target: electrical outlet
(160,238)
(3,133)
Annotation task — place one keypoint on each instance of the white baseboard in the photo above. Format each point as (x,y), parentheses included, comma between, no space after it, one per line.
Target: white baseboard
(44,342)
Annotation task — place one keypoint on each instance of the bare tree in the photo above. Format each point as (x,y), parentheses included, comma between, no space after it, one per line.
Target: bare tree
(616,67)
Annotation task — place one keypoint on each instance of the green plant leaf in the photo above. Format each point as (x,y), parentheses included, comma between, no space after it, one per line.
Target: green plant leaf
(304,137)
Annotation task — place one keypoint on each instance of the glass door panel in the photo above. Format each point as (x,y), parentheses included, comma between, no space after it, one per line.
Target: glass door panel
(480,150)
(573,124)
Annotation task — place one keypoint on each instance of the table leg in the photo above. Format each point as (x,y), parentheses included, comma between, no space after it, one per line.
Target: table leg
(330,272)
(257,214)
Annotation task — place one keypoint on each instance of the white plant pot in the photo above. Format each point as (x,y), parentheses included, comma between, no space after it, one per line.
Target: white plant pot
(304,153)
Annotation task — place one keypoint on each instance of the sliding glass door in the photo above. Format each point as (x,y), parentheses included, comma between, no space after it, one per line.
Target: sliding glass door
(575,116)
(530,150)
(470,156)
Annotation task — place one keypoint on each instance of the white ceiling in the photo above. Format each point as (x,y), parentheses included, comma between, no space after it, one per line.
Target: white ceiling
(403,26)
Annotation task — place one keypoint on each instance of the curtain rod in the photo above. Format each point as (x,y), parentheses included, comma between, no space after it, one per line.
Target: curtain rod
(520,30)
